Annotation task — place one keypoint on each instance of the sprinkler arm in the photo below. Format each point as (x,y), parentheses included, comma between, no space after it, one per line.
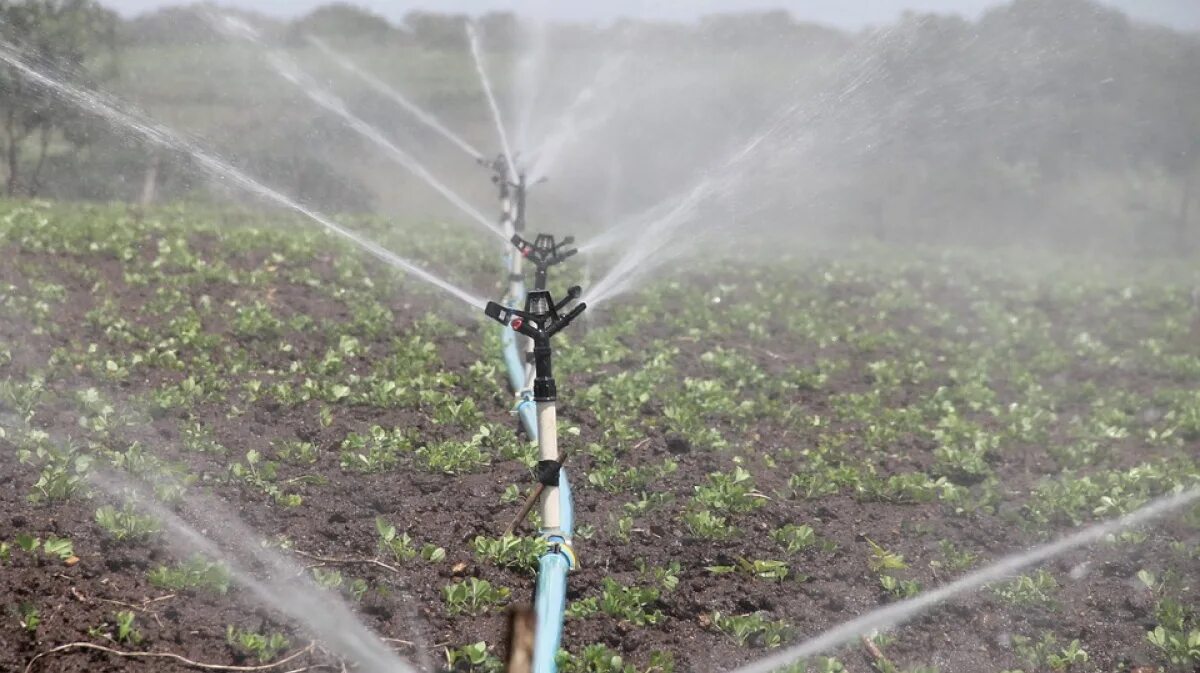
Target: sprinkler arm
(544,253)
(539,321)
(539,326)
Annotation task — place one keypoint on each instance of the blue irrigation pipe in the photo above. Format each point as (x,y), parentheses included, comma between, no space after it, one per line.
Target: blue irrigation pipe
(539,321)
(550,603)
(514,361)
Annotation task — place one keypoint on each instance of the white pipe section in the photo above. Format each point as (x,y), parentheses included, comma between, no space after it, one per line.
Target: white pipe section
(547,418)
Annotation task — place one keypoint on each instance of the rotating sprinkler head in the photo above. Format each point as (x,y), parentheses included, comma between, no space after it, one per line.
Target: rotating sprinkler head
(544,253)
(539,321)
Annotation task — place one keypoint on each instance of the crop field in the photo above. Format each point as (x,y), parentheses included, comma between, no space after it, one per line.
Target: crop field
(760,451)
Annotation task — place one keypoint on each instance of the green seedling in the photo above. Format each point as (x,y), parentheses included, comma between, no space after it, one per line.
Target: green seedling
(794,538)
(331,580)
(776,571)
(752,630)
(30,618)
(58,547)
(899,588)
(704,524)
(473,658)
(665,576)
(510,551)
(262,647)
(126,524)
(883,560)
(1029,590)
(195,573)
(377,451)
(398,545)
(473,596)
(125,632)
(730,493)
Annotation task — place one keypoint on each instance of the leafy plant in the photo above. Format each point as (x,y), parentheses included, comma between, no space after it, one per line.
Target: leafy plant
(195,573)
(473,658)
(473,596)
(758,568)
(58,547)
(262,647)
(126,523)
(377,451)
(794,538)
(125,632)
(730,493)
(883,560)
(510,551)
(704,524)
(1036,589)
(399,545)
(29,616)
(753,630)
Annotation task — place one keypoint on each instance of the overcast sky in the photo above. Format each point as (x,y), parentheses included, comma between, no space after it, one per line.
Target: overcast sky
(852,14)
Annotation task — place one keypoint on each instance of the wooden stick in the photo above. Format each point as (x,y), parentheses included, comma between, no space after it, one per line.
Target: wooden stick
(530,502)
(521,627)
(165,655)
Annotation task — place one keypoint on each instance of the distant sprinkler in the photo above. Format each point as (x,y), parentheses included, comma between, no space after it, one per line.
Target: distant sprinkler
(500,177)
(544,253)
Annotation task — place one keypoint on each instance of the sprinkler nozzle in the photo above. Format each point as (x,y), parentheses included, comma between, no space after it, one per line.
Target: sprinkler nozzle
(540,320)
(544,252)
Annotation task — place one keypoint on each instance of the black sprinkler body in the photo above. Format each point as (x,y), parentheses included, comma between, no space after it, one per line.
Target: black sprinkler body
(519,189)
(539,321)
(500,178)
(544,253)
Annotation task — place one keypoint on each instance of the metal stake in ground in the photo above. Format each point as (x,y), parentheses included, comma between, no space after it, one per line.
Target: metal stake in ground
(540,321)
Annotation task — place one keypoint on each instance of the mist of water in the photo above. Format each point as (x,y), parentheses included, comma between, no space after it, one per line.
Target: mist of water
(382,88)
(895,614)
(572,123)
(218,168)
(286,588)
(530,72)
(652,238)
(486,84)
(291,71)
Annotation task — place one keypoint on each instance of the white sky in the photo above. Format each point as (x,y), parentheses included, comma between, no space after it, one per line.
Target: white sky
(853,14)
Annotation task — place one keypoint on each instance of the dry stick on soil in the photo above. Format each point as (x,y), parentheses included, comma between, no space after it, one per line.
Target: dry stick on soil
(166,655)
(537,493)
(347,561)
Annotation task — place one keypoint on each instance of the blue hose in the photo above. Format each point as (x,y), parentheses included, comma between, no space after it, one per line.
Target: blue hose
(514,362)
(527,409)
(512,359)
(550,604)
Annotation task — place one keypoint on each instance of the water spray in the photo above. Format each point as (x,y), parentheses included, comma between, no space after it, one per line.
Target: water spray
(486,84)
(119,115)
(395,96)
(895,614)
(539,322)
(291,71)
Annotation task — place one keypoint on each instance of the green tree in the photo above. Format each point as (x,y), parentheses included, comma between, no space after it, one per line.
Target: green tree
(59,36)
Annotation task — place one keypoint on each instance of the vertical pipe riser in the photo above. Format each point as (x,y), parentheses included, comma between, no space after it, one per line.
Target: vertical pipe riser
(547,422)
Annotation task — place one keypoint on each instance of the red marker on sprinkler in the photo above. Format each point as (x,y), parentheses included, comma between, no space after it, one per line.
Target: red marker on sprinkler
(516,324)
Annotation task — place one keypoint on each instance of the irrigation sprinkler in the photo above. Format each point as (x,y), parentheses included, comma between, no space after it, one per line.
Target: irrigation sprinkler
(544,253)
(540,321)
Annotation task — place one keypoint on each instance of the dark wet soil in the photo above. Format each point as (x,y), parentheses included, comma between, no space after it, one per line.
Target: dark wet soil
(1099,602)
